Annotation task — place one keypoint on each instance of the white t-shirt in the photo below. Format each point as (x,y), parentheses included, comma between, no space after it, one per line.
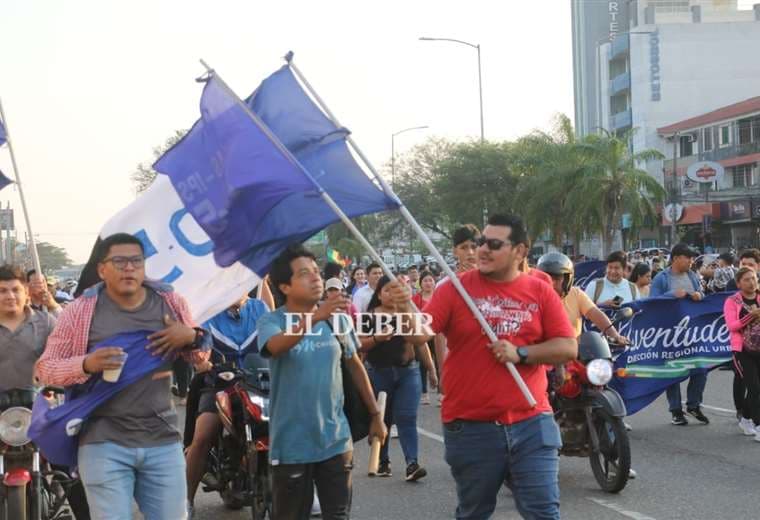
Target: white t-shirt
(362,298)
(610,290)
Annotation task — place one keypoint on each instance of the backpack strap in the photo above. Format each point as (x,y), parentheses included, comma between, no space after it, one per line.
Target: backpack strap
(598,288)
(634,290)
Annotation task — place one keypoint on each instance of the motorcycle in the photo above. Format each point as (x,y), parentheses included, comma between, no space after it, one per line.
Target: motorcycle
(31,489)
(590,414)
(238,463)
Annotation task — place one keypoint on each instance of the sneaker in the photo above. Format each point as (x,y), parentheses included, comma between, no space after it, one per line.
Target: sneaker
(698,415)
(632,474)
(425,399)
(628,427)
(414,472)
(679,419)
(384,469)
(394,432)
(747,427)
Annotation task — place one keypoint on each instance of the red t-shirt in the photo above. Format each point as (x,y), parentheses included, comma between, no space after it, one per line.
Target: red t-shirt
(538,273)
(524,311)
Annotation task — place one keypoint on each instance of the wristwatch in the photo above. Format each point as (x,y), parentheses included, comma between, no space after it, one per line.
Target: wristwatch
(522,352)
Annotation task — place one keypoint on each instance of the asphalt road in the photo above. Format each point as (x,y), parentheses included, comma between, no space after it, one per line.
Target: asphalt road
(692,472)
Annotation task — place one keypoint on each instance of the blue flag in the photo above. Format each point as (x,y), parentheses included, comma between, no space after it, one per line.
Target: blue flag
(585,272)
(4,181)
(267,210)
(3,134)
(670,340)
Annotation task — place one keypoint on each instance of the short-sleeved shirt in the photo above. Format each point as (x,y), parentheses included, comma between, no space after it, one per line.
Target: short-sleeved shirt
(681,281)
(611,290)
(525,311)
(577,304)
(142,414)
(307,421)
(20,349)
(362,298)
(538,273)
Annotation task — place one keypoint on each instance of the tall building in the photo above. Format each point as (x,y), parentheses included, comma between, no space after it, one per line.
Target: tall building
(665,61)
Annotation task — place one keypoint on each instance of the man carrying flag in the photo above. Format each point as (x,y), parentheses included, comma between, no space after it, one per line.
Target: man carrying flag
(130,445)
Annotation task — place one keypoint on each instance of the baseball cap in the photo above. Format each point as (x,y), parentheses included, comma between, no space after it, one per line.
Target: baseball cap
(683,250)
(333,283)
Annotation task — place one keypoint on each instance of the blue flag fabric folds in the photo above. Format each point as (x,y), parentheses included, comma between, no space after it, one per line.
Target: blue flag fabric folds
(585,272)
(56,430)
(267,210)
(670,340)
(3,134)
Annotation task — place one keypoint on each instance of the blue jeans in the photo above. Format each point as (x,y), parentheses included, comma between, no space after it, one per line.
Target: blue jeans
(524,456)
(155,477)
(694,392)
(404,388)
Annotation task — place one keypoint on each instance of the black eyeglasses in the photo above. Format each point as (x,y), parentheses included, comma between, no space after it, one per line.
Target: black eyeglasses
(494,244)
(120,262)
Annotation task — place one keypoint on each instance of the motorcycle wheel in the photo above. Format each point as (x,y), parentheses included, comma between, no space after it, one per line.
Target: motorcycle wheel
(613,461)
(16,502)
(260,486)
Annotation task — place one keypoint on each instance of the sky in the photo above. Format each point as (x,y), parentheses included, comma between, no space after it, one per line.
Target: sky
(90,87)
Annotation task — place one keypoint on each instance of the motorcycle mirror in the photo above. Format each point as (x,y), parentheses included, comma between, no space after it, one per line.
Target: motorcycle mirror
(625,313)
(227,376)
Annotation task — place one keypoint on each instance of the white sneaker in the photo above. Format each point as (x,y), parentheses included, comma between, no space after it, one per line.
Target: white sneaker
(425,399)
(394,432)
(747,427)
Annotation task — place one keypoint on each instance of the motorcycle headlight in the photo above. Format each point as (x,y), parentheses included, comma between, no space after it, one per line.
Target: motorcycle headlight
(261,402)
(599,372)
(14,425)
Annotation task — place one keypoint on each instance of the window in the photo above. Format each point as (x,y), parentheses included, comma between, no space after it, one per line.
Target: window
(686,145)
(745,131)
(725,135)
(707,139)
(742,176)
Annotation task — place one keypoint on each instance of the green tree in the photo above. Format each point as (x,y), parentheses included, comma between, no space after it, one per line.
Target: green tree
(52,257)
(612,184)
(144,175)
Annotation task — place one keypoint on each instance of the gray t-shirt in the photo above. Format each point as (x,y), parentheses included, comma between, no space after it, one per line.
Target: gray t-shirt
(20,349)
(681,281)
(142,414)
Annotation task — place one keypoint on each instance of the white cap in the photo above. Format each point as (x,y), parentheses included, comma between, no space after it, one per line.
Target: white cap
(333,283)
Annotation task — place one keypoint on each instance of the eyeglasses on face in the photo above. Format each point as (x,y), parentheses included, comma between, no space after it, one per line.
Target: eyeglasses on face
(120,262)
(494,244)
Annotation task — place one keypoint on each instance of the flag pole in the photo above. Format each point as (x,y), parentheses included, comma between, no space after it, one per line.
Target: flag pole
(322,193)
(417,229)
(32,243)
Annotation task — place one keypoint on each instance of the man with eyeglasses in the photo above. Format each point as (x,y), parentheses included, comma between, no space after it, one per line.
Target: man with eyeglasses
(492,435)
(130,445)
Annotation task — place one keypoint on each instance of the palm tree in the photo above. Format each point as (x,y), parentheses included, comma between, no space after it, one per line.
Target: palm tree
(612,184)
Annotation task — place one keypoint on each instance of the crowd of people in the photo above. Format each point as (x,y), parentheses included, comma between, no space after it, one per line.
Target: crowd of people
(131,447)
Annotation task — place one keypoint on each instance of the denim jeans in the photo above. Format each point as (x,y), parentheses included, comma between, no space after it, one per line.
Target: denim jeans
(694,392)
(404,388)
(524,456)
(154,477)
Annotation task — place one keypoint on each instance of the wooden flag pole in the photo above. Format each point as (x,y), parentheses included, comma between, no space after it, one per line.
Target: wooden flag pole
(374,452)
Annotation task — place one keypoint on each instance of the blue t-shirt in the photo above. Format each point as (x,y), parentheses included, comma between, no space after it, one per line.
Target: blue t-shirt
(307,421)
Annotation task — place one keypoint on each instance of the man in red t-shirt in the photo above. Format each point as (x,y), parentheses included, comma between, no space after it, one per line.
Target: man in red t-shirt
(491,433)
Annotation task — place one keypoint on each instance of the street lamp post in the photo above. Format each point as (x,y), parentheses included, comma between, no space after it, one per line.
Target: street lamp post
(480,74)
(393,151)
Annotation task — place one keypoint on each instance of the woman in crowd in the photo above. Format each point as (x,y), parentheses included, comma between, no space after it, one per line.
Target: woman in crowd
(393,350)
(642,277)
(742,313)
(358,280)
(427,287)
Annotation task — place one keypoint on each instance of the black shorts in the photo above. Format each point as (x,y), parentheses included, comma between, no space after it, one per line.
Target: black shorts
(207,401)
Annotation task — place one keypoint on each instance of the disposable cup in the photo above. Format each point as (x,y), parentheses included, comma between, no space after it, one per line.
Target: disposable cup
(112,374)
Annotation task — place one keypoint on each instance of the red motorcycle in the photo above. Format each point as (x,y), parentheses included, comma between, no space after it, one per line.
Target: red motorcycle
(238,463)
(31,489)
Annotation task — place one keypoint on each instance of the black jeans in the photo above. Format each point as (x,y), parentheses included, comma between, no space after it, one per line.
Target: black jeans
(293,488)
(748,365)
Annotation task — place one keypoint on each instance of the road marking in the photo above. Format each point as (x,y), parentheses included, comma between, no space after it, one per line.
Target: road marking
(620,510)
(430,435)
(725,410)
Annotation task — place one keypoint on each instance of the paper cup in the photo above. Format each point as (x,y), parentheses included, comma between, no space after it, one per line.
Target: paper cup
(112,375)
